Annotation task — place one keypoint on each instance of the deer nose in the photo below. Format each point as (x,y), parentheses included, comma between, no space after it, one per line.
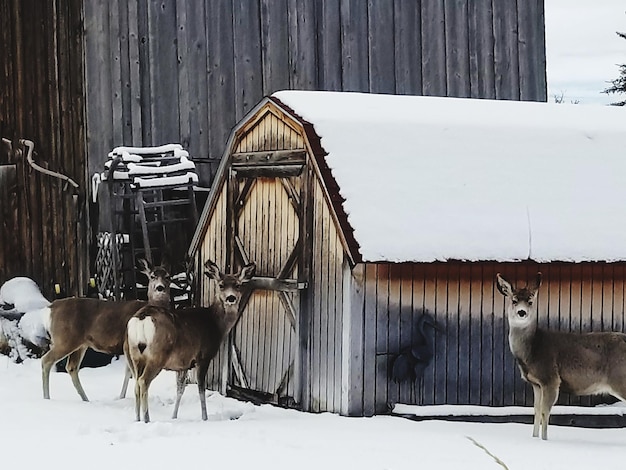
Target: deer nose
(231,299)
(160,288)
(522,313)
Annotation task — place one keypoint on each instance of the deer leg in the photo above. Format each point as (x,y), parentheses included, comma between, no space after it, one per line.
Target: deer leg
(549,393)
(201,371)
(127,376)
(73,366)
(181,383)
(144,381)
(47,361)
(537,408)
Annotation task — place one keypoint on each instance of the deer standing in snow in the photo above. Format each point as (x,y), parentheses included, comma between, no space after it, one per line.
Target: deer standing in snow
(74,324)
(179,340)
(577,363)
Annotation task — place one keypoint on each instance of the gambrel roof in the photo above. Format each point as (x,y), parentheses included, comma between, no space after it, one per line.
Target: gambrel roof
(428,178)
(422,179)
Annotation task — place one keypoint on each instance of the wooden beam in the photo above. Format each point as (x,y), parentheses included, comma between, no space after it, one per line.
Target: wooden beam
(237,367)
(291,261)
(281,285)
(290,309)
(276,157)
(269,171)
(294,197)
(243,196)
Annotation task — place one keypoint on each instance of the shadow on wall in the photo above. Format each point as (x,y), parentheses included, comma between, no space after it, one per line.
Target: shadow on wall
(413,359)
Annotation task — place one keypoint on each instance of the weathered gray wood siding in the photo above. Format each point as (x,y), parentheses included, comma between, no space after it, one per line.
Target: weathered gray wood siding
(187,70)
(326,309)
(43,226)
(472,362)
(214,248)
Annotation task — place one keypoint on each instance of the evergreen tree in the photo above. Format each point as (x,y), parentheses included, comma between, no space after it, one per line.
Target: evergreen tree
(619,84)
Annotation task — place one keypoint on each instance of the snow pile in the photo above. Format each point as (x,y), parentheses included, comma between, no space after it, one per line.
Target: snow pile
(23,318)
(429,178)
(19,295)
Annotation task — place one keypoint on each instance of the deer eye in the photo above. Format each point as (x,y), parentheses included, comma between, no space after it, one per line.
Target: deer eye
(221,284)
(514,301)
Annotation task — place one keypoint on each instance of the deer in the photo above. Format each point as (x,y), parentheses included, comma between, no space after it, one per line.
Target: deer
(179,340)
(76,323)
(551,361)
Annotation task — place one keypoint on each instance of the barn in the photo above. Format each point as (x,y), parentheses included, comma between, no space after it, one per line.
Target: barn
(367,214)
(145,73)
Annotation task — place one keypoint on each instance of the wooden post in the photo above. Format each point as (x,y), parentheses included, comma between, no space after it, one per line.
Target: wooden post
(352,349)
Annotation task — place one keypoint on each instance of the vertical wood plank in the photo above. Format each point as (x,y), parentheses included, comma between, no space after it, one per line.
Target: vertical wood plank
(433,49)
(145,58)
(329,45)
(163,72)
(381,50)
(302,45)
(371,318)
(354,30)
(274,34)
(220,51)
(118,39)
(466,347)
(506,54)
(481,50)
(352,337)
(480,337)
(457,48)
(134,107)
(247,50)
(408,53)
(442,369)
(531,50)
(406,322)
(429,382)
(455,325)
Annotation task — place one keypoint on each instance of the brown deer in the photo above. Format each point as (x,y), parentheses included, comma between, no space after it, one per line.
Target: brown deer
(179,340)
(74,324)
(577,363)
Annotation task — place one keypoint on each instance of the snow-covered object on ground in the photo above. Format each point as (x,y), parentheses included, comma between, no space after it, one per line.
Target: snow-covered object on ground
(428,178)
(20,295)
(26,323)
(166,165)
(34,326)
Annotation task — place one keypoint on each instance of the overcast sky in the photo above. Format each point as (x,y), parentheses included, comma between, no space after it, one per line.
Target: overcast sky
(582,48)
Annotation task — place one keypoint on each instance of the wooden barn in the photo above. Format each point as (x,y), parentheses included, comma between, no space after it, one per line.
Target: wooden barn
(81,77)
(366,214)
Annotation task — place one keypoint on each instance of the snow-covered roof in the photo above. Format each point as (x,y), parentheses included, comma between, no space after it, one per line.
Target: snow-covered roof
(428,179)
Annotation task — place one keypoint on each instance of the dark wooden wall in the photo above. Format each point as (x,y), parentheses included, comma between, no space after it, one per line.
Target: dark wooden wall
(473,363)
(42,225)
(186,71)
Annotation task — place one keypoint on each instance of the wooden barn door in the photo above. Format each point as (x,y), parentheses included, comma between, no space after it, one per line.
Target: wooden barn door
(265,223)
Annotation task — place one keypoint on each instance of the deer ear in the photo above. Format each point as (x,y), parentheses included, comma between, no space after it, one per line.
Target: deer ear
(537,281)
(504,286)
(144,267)
(247,272)
(212,270)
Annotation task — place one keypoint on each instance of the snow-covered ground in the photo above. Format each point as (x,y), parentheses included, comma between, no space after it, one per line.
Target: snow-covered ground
(65,432)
